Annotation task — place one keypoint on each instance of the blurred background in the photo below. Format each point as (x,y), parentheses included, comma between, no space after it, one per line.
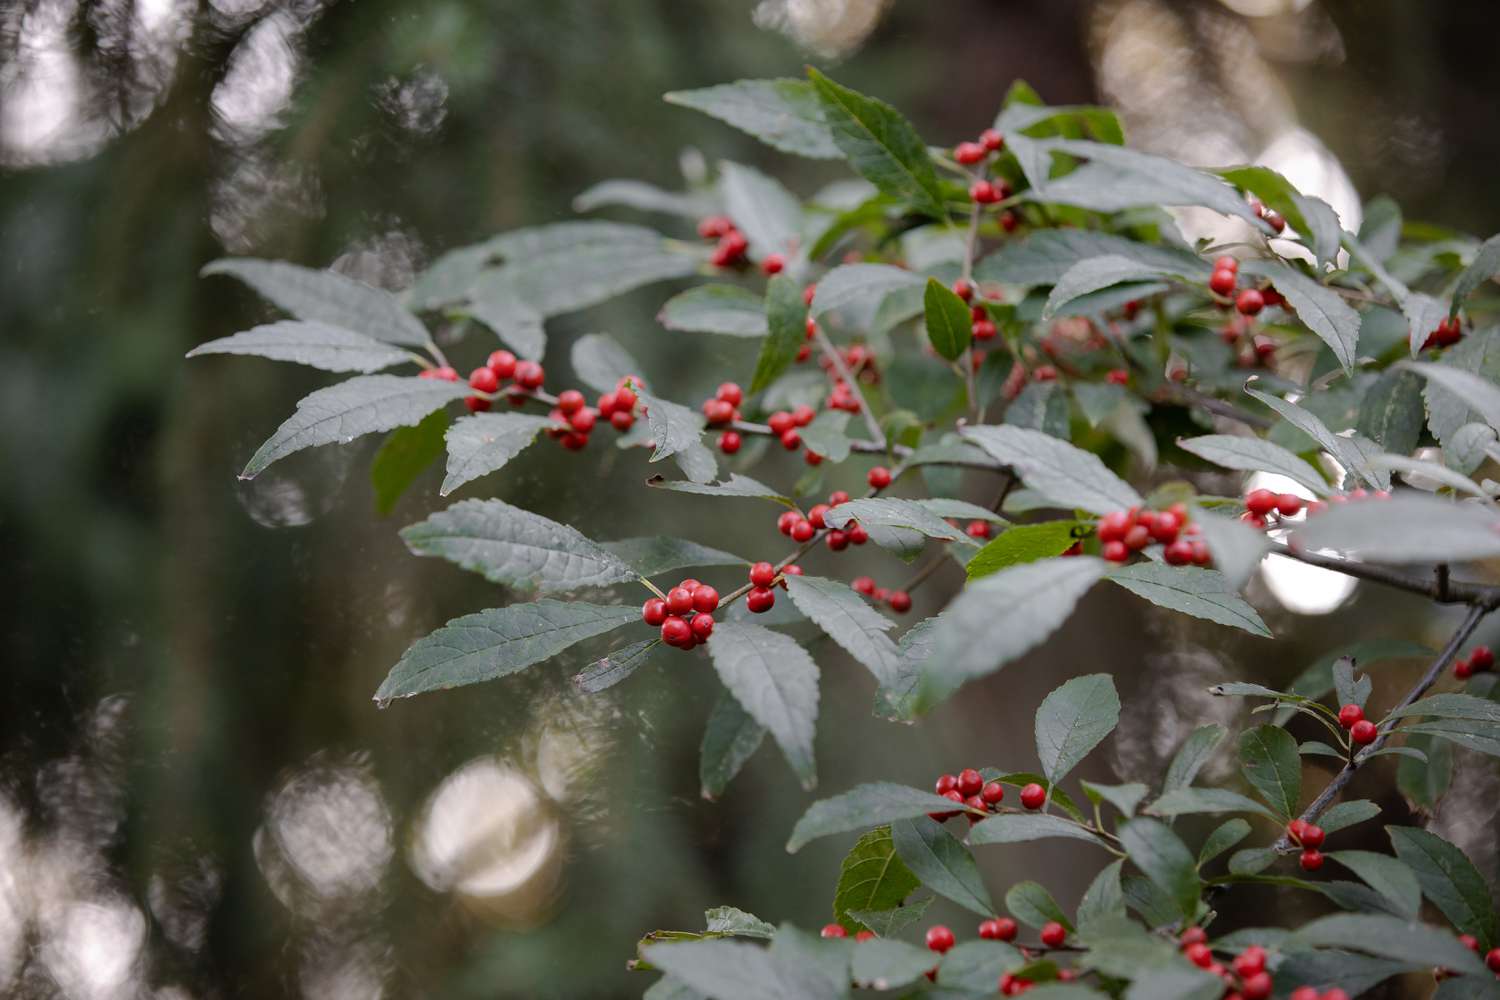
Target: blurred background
(198,797)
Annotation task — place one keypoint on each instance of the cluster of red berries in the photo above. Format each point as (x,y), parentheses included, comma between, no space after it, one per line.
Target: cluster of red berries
(723,407)
(984,191)
(941,939)
(784,425)
(898,600)
(502,365)
(576,418)
(1449,332)
(760,598)
(1249,301)
(1309,837)
(1469,941)
(685,616)
(982,327)
(1123,532)
(968,788)
(730,251)
(1261,504)
(1361,730)
(802,529)
(1479,660)
(1246,977)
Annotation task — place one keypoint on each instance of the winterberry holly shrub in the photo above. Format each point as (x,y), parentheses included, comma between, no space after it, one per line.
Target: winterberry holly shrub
(1020,319)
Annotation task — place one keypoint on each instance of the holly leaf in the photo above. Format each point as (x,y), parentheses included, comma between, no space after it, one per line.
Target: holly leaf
(1450,880)
(1237,549)
(1074,719)
(784,114)
(880,145)
(1389,876)
(1320,308)
(1033,905)
(722,309)
(1252,454)
(1022,543)
(949,324)
(849,621)
(657,554)
(327,297)
(1484,266)
(678,433)
(1195,751)
(735,486)
(889,923)
(1194,801)
(483,442)
(941,862)
(1269,760)
(871,878)
(1202,593)
(1388,937)
(851,284)
(729,740)
(862,807)
(318,345)
(1016,828)
(607,671)
(403,456)
(1043,257)
(498,642)
(765,211)
(1479,393)
(1066,475)
(786,318)
(777,683)
(1096,273)
(1165,860)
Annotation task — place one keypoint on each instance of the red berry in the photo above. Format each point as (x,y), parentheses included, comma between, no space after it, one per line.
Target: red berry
(529,374)
(1114,551)
(762,573)
(608,403)
(583,420)
(679,600)
(1480,658)
(1256,986)
(964,289)
(864,585)
(484,380)
(1250,961)
(1009,221)
(1118,376)
(864,935)
(1288,504)
(1226,263)
(1470,942)
(717,411)
(654,611)
(1199,954)
(1260,502)
(780,422)
(984,193)
(985,329)
(711,227)
(802,414)
(939,938)
(1492,960)
(791,440)
(1222,282)
(575,442)
(837,540)
(900,601)
(999,929)
(570,401)
(773,264)
(1137,538)
(1112,526)
(760,599)
(702,625)
(1273,219)
(810,331)
(879,477)
(837,497)
(857,533)
(970,782)
(833,931)
(1166,526)
(502,363)
(992,793)
(705,598)
(729,442)
(690,585)
(969,153)
(1193,935)
(731,393)
(803,531)
(978,529)
(622,420)
(1312,835)
(1363,732)
(816,515)
(1054,934)
(1033,795)
(1311,860)
(992,140)
(476,404)
(1350,714)
(1250,301)
(675,631)
(1463,670)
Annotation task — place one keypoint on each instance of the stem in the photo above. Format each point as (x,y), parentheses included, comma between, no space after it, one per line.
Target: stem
(1437,589)
(864,447)
(1434,671)
(833,355)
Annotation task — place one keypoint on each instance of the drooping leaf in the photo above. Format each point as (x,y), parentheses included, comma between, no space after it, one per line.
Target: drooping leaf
(826,436)
(1389,937)
(1464,450)
(1190,801)
(607,671)
(1321,309)
(949,325)
(490,644)
(729,740)
(1477,392)
(307,342)
(1040,406)
(1001,617)
(1484,266)
(785,114)
(515,547)
(849,284)
(600,362)
(863,807)
(941,862)
(850,622)
(1450,880)
(1346,689)
(1380,531)
(1347,814)
(1237,549)
(1192,590)
(723,309)
(1341,448)
(736,922)
(777,683)
(1165,860)
(893,512)
(1389,876)
(1104,899)
(678,433)
(499,307)
(731,969)
(1022,543)
(361,405)
(1251,454)
(1074,719)
(597,271)
(1192,755)
(786,318)
(321,296)
(765,211)
(483,442)
(1031,904)
(1096,273)
(1224,836)
(1391,412)
(888,964)
(1063,473)
(627,193)
(1423,314)
(657,554)
(403,456)
(976,966)
(735,486)
(1043,257)
(880,145)
(1327,968)
(1450,407)
(1425,782)
(871,877)
(1269,760)
(1016,828)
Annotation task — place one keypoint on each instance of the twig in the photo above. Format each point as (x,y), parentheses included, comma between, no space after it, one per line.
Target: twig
(832,354)
(1438,588)
(855,444)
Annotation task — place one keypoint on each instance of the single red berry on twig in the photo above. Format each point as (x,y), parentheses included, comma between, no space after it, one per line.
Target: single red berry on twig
(1312,835)
(1033,795)
(762,573)
(969,153)
(502,363)
(1311,860)
(992,140)
(1350,714)
(1222,282)
(654,611)
(773,264)
(729,441)
(1199,954)
(900,601)
(1363,732)
(484,379)
(760,599)
(970,782)
(675,631)
(1054,934)
(833,931)
(702,626)
(879,477)
(1250,301)
(992,793)
(939,938)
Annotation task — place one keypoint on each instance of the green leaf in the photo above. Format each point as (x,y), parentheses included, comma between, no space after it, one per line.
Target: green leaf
(499,307)
(1123,797)
(892,512)
(1251,454)
(949,325)
(1391,412)
(607,671)
(1074,719)
(600,362)
(723,309)
(784,114)
(1033,905)
(327,297)
(1191,801)
(729,920)
(765,211)
(597,270)
(1269,760)
(1202,593)
(735,486)
(626,193)
(1449,408)
(1312,218)
(1346,689)
(1386,875)
(1423,314)
(1022,543)
(494,643)
(678,432)
(1068,476)
(871,877)
(1040,406)
(1389,937)
(1237,549)
(1450,880)
(483,442)
(975,966)
(1484,266)
(889,923)
(854,284)
(887,964)
(515,547)
(657,554)
(1104,899)
(1224,836)
(1192,755)
(728,969)
(1321,309)
(880,145)
(1165,860)
(361,405)
(825,435)
(1464,450)
(1347,814)
(786,318)
(1252,860)
(942,863)
(729,740)
(319,345)
(1306,421)
(849,621)
(1002,617)
(777,683)
(1043,257)
(1354,973)
(862,807)
(1381,531)
(1016,828)
(1412,468)
(403,456)
(1425,782)
(1479,393)
(1096,273)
